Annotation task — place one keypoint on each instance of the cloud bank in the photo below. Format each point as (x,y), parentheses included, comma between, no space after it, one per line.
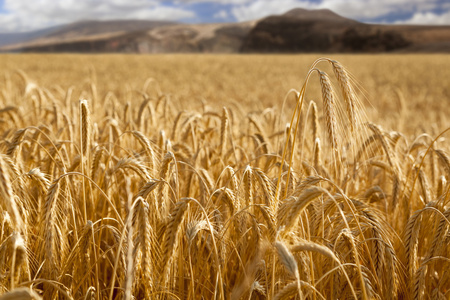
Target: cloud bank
(23,15)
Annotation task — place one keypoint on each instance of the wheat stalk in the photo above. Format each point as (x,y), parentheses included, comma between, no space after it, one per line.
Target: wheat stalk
(342,226)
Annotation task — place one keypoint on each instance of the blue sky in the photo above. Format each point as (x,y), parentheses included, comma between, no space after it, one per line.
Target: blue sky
(26,15)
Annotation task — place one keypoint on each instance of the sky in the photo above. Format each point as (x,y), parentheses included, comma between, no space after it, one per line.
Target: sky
(26,15)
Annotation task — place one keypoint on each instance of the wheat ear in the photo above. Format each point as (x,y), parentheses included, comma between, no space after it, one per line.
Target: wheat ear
(288,260)
(444,159)
(19,258)
(314,247)
(315,120)
(330,108)
(224,131)
(442,182)
(50,207)
(171,232)
(15,142)
(300,203)
(347,92)
(387,149)
(291,290)
(248,185)
(7,199)
(145,143)
(411,241)
(85,123)
(83,252)
(144,241)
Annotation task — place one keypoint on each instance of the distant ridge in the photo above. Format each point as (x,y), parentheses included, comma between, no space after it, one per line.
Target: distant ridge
(90,27)
(296,31)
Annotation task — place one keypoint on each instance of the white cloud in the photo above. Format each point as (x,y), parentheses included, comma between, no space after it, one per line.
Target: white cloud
(157,13)
(370,9)
(428,18)
(356,9)
(215,1)
(222,15)
(23,15)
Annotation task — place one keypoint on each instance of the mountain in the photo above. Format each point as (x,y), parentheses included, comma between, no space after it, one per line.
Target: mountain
(79,31)
(19,37)
(298,30)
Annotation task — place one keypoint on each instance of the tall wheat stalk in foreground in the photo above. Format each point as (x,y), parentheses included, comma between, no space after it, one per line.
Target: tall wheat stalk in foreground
(143,200)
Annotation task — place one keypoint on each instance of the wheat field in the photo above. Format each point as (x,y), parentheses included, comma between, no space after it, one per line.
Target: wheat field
(224,177)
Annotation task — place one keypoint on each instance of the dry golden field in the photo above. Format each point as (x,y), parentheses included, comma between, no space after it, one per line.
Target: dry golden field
(224,177)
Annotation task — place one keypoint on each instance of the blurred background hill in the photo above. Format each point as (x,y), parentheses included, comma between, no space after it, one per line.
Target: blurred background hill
(296,31)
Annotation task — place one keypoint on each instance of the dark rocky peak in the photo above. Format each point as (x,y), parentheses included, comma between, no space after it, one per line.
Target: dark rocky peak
(317,15)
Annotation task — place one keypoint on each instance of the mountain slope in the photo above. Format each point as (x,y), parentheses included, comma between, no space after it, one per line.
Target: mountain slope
(89,30)
(92,28)
(157,39)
